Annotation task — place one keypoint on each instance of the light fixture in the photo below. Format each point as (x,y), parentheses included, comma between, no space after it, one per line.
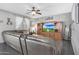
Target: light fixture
(33,13)
(9,22)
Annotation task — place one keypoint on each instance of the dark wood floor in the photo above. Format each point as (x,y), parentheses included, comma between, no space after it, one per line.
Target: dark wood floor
(7,50)
(67,48)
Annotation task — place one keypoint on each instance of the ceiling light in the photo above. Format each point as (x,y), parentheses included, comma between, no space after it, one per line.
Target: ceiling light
(33,13)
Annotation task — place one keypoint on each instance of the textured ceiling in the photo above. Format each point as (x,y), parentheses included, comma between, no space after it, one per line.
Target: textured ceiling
(46,8)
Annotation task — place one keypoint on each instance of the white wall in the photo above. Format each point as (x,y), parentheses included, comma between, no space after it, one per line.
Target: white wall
(65,17)
(3,25)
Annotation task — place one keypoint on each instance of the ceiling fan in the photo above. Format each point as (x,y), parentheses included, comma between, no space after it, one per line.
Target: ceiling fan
(34,11)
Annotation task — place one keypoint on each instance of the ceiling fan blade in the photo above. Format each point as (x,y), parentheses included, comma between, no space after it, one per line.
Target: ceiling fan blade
(38,10)
(28,12)
(39,13)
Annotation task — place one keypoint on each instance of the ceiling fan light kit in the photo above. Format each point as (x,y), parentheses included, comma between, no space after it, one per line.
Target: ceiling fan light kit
(34,11)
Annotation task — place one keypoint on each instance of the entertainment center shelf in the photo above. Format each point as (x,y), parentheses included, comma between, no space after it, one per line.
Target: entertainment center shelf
(54,33)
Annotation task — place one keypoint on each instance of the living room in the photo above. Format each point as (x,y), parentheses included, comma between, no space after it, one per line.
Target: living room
(37,28)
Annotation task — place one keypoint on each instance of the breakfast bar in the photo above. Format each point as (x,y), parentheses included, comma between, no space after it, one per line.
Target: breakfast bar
(35,44)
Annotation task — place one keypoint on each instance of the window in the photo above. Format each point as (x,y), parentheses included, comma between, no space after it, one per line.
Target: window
(22,23)
(19,23)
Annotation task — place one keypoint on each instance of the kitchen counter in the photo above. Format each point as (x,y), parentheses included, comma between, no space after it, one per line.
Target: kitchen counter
(13,32)
(41,39)
(30,37)
(36,44)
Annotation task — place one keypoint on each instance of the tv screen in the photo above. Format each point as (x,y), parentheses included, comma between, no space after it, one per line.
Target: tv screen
(48,27)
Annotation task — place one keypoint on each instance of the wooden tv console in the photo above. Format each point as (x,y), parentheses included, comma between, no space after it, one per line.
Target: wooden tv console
(54,35)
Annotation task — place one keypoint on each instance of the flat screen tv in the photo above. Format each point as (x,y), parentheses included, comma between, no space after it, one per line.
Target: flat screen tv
(48,27)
